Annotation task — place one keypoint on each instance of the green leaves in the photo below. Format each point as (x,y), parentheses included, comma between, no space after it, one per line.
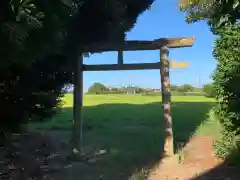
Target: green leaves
(38,37)
(111,19)
(226,81)
(96,88)
(227,76)
(209,90)
(218,13)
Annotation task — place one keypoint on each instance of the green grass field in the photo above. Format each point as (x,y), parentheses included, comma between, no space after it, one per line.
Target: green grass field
(130,127)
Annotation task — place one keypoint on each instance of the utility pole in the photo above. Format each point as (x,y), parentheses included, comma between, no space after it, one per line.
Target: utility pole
(130,80)
(199,80)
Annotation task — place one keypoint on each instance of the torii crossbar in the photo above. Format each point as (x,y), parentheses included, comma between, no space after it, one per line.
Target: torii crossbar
(163,65)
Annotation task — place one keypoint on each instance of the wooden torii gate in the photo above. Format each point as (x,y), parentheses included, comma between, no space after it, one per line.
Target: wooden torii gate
(164,64)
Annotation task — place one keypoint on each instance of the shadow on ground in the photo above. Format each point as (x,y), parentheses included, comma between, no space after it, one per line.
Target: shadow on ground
(131,134)
(223,171)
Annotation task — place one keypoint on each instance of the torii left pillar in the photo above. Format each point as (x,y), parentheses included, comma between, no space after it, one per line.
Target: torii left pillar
(77,137)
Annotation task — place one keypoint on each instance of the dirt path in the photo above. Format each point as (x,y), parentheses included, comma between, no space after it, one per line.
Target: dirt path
(197,162)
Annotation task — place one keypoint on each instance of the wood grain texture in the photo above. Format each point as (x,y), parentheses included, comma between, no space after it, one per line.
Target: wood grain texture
(135,45)
(166,102)
(136,66)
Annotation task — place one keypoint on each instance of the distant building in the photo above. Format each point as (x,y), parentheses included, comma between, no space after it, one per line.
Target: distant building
(112,88)
(157,90)
(130,89)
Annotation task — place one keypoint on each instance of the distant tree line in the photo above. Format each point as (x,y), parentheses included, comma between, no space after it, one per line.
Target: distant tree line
(186,89)
(98,88)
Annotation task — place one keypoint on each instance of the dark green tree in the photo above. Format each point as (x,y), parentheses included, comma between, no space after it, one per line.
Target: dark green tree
(39,39)
(218,13)
(209,90)
(33,69)
(139,90)
(185,88)
(223,17)
(114,89)
(96,88)
(174,87)
(32,92)
(226,80)
(226,77)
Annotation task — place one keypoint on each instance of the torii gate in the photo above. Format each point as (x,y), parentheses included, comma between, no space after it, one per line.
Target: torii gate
(163,65)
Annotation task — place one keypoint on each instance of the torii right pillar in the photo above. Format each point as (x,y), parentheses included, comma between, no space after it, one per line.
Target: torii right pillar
(165,65)
(166,101)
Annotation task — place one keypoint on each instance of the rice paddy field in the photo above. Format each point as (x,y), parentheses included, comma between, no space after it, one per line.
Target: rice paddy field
(130,128)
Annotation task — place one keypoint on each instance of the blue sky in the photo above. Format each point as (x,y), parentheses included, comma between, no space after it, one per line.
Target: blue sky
(163,20)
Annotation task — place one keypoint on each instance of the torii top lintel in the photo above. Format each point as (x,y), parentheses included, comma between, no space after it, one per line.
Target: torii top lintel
(134,45)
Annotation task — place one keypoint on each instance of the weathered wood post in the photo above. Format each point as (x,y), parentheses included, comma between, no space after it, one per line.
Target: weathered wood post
(166,101)
(120,57)
(77,106)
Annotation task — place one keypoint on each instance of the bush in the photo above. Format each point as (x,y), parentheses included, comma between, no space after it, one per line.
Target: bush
(152,94)
(96,88)
(209,90)
(33,34)
(226,80)
(185,88)
(174,93)
(111,92)
(228,146)
(33,92)
(193,94)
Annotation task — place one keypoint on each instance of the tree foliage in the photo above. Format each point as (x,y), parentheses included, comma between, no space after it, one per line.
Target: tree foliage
(39,41)
(223,17)
(226,80)
(139,90)
(174,87)
(96,88)
(218,13)
(107,21)
(31,30)
(209,90)
(185,88)
(33,69)
(226,77)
